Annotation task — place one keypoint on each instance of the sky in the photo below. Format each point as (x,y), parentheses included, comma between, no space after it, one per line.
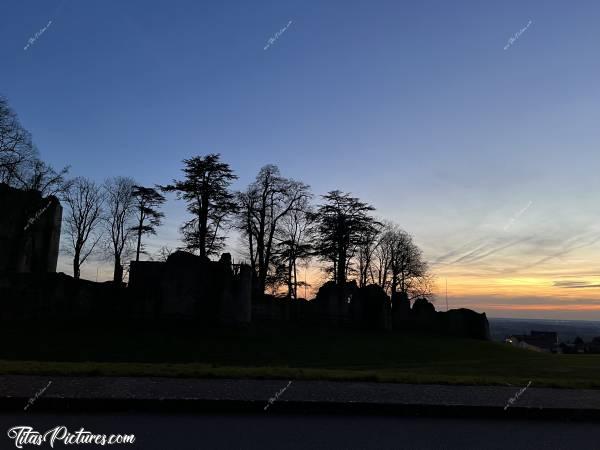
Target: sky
(473,125)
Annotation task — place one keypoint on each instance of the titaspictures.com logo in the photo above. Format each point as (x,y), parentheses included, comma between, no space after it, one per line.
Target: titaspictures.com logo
(26,435)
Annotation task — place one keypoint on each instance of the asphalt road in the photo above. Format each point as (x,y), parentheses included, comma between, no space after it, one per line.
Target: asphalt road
(270,431)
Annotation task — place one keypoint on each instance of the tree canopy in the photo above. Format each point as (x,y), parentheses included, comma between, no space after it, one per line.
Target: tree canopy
(205,189)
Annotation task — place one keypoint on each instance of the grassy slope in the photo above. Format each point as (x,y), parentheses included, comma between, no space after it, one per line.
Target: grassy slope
(289,354)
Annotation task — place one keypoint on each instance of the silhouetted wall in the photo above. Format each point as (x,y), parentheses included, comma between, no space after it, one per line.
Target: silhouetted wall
(188,287)
(59,298)
(371,308)
(331,308)
(29,231)
(423,317)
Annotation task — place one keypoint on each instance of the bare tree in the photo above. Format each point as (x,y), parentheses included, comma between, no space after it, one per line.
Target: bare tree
(294,244)
(20,166)
(407,269)
(261,208)
(84,200)
(120,210)
(365,253)
(206,191)
(383,258)
(43,178)
(16,147)
(246,207)
(148,218)
(163,253)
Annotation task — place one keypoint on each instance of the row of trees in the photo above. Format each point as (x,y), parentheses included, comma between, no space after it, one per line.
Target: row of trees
(115,214)
(279,225)
(110,217)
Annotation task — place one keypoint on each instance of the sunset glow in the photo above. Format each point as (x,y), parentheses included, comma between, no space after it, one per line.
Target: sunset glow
(465,125)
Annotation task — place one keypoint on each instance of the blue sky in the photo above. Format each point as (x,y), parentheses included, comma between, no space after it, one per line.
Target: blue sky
(414,106)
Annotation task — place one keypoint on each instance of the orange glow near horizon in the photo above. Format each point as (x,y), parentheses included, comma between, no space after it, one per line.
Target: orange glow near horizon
(571,287)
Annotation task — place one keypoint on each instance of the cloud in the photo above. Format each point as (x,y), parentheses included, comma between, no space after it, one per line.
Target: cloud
(574,284)
(574,243)
(478,250)
(516,216)
(490,249)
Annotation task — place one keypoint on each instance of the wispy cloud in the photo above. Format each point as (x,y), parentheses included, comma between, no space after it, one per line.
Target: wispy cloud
(516,216)
(478,250)
(575,284)
(576,242)
(489,250)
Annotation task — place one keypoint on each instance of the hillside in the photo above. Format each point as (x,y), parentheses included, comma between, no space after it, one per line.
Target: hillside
(287,353)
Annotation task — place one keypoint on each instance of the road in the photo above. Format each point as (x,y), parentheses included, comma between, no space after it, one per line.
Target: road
(271,431)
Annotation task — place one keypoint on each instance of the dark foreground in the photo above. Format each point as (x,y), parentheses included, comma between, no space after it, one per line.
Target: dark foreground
(159,431)
(285,353)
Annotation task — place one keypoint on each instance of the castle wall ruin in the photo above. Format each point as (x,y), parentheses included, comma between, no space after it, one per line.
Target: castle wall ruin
(29,231)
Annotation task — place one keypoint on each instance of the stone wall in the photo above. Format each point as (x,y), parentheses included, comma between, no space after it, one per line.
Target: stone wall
(423,317)
(29,231)
(187,287)
(371,308)
(59,298)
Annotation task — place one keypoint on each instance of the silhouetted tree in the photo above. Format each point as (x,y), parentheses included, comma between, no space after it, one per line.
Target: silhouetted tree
(294,244)
(383,258)
(148,217)
(341,223)
(120,210)
(84,199)
(20,166)
(163,253)
(206,191)
(404,261)
(16,147)
(262,207)
(365,254)
(43,178)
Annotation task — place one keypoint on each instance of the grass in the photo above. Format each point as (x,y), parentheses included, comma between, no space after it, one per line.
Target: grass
(287,353)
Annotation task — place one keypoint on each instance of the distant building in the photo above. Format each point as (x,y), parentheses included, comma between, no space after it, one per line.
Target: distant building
(540,341)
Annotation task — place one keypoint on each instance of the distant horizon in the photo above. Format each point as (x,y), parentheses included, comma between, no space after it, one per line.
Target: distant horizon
(558,319)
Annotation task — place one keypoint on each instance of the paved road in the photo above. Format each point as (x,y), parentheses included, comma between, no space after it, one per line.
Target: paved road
(18,389)
(159,431)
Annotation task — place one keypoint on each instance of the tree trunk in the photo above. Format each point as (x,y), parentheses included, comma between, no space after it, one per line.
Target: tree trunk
(289,279)
(202,239)
(341,267)
(260,254)
(203,227)
(295,280)
(394,283)
(76,265)
(118,272)
(341,274)
(139,243)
